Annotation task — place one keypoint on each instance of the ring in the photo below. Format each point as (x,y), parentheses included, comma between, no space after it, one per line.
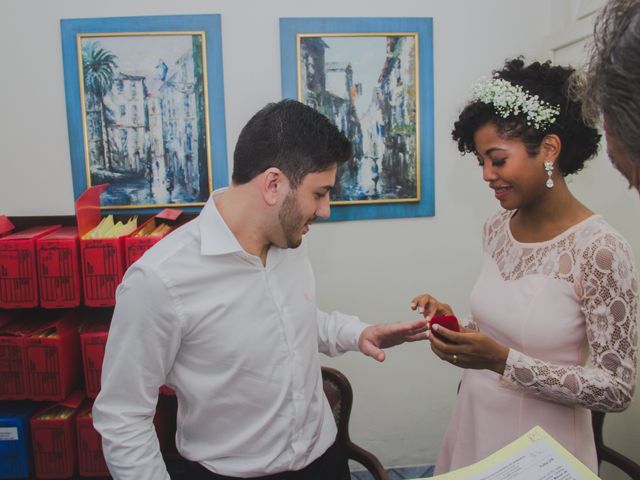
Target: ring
(455,358)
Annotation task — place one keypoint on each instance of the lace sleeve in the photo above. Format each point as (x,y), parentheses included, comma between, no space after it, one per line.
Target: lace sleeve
(608,288)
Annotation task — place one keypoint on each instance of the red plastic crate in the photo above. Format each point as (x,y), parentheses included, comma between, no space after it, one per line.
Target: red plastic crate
(5,225)
(93,339)
(13,365)
(136,246)
(59,269)
(102,259)
(91,461)
(54,364)
(18,269)
(54,441)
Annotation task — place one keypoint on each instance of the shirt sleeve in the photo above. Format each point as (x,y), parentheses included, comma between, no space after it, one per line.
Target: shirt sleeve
(338,333)
(608,288)
(143,340)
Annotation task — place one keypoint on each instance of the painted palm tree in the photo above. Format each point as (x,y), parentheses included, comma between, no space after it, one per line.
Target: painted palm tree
(98,68)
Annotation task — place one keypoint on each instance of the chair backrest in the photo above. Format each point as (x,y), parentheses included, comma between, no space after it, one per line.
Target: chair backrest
(607,454)
(340,396)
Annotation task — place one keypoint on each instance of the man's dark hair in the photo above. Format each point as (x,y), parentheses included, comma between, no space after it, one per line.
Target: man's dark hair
(290,136)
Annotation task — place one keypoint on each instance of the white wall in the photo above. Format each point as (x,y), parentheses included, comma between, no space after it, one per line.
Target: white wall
(371,268)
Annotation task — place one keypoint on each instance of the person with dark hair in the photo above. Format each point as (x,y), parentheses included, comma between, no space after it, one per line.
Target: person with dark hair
(223,311)
(552,331)
(613,84)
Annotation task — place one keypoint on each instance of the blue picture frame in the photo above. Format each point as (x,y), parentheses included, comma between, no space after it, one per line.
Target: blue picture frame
(365,205)
(200,157)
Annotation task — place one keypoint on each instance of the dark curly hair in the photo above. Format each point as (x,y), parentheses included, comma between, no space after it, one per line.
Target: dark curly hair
(579,140)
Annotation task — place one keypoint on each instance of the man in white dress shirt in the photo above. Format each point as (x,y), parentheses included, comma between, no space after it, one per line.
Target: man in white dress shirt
(224,311)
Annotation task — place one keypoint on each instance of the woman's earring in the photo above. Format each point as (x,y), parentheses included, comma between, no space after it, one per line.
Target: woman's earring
(548,166)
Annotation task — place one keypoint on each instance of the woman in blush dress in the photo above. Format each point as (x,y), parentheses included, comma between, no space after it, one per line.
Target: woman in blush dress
(552,329)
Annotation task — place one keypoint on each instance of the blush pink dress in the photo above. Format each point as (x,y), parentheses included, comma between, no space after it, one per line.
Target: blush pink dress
(567,310)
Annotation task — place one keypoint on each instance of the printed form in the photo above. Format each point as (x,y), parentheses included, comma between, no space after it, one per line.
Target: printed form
(534,456)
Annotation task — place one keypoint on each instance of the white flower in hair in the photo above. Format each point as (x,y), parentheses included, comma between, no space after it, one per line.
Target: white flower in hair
(509,99)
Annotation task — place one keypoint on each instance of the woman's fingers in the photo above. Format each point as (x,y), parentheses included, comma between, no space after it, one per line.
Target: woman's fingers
(427,305)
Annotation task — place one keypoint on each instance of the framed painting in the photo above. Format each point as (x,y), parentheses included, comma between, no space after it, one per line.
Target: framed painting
(145,109)
(373,78)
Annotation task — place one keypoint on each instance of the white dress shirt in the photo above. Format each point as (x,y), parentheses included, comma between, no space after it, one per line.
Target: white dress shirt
(237,340)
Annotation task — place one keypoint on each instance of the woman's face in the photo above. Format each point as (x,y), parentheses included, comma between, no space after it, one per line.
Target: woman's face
(517,179)
(621,159)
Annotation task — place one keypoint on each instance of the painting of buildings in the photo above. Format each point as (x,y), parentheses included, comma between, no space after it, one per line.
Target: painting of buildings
(367,84)
(144,118)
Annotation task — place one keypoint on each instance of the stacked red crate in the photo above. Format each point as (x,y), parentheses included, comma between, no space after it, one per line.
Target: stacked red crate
(18,268)
(59,269)
(54,363)
(5,226)
(53,437)
(91,461)
(14,383)
(135,246)
(93,339)
(102,259)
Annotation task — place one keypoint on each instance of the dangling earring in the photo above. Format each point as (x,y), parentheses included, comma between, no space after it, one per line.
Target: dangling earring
(548,166)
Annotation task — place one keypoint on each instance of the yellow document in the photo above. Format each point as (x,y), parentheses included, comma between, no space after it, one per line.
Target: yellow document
(107,228)
(98,232)
(533,456)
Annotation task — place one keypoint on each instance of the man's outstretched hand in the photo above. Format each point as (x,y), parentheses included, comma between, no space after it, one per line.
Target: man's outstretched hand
(377,337)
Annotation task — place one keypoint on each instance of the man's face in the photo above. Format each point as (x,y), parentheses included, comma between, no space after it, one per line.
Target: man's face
(303,205)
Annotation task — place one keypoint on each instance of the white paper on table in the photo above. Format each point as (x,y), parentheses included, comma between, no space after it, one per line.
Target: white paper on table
(534,456)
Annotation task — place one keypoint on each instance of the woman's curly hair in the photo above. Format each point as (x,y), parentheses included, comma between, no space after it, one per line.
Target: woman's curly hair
(551,83)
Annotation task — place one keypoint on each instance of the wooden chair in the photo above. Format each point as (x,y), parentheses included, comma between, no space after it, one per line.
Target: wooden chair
(607,454)
(340,395)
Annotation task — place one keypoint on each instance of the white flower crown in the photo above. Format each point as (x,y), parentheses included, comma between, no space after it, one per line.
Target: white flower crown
(509,99)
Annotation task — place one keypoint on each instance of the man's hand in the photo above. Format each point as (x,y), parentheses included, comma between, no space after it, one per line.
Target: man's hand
(376,337)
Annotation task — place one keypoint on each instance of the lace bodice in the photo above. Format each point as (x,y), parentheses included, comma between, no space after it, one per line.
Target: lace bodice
(598,264)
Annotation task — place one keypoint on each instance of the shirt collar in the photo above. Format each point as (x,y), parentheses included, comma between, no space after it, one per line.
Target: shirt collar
(215,236)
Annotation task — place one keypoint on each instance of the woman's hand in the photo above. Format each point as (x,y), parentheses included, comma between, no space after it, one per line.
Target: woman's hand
(429,306)
(465,349)
(468,349)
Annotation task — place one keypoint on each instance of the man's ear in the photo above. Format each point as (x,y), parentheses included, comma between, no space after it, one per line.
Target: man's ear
(551,146)
(274,185)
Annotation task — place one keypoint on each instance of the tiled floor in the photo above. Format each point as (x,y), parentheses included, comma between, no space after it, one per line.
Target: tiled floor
(398,473)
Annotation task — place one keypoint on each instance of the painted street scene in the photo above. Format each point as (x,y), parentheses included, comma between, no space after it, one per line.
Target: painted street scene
(144,118)
(367,86)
